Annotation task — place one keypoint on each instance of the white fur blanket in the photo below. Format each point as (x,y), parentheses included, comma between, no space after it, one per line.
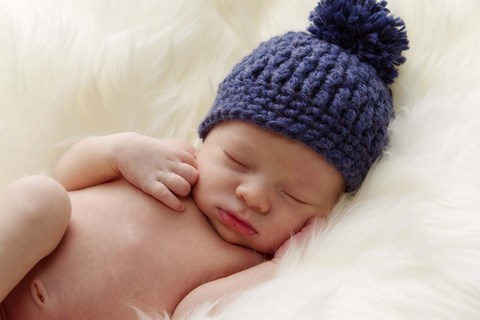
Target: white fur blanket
(407,246)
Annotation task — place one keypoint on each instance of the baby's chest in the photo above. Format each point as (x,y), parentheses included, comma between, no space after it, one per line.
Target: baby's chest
(145,251)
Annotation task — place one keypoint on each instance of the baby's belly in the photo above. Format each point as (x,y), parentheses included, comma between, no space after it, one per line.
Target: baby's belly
(124,248)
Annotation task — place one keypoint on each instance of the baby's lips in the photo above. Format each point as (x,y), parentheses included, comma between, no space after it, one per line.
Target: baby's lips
(235,223)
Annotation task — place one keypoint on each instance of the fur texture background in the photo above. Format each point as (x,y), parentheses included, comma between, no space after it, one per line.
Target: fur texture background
(407,246)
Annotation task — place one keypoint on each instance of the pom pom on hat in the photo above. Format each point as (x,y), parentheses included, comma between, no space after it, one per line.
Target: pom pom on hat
(327,88)
(363,28)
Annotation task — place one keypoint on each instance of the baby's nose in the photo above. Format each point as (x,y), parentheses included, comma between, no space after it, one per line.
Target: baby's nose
(255,196)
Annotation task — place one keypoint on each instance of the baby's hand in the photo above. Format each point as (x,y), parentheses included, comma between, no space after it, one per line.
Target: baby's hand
(163,169)
(299,238)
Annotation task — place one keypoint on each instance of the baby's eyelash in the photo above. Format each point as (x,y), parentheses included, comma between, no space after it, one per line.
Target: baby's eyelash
(232,158)
(293,197)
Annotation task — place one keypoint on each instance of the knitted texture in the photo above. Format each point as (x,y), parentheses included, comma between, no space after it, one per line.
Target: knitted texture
(317,91)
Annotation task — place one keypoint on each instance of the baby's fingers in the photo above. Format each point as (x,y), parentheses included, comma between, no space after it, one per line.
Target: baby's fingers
(167,186)
(162,193)
(187,172)
(176,184)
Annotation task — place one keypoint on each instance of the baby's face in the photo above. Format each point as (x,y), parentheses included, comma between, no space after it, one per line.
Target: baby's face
(258,188)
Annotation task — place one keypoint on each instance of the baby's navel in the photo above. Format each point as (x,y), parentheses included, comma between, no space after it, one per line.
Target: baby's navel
(38,292)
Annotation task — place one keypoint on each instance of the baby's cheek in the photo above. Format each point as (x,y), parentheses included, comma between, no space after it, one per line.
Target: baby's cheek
(278,238)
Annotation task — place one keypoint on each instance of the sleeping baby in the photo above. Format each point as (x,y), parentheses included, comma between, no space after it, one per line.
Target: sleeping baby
(123,244)
(137,222)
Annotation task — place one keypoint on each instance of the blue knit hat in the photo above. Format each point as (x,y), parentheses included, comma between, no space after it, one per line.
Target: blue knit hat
(327,88)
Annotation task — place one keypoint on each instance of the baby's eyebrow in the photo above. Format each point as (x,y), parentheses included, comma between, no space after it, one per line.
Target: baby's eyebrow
(245,143)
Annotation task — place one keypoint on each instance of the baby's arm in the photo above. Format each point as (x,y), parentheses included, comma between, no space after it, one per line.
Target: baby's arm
(161,168)
(34,214)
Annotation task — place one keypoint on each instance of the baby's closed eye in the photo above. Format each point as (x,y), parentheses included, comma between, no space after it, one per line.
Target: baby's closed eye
(235,160)
(293,197)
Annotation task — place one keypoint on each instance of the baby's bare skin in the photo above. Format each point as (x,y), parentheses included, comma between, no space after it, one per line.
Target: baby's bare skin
(124,248)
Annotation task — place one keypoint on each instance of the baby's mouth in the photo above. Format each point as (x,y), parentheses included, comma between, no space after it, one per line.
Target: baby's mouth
(235,223)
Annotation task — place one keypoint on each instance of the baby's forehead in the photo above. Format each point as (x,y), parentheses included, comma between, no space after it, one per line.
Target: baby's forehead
(258,142)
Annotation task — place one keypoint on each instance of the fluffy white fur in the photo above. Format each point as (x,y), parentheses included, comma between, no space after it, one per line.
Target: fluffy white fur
(407,246)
